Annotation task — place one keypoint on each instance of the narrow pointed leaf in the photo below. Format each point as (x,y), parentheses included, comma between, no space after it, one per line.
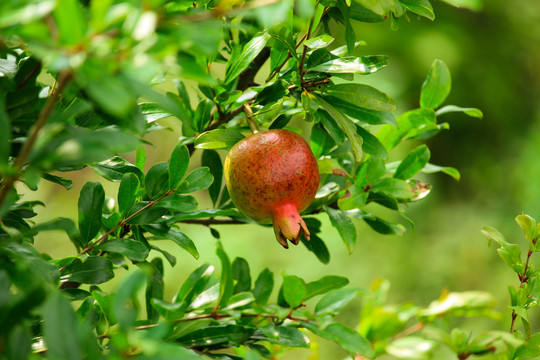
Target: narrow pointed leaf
(239,61)
(344,226)
(347,126)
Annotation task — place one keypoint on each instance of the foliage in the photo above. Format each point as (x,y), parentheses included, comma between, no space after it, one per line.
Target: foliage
(279,67)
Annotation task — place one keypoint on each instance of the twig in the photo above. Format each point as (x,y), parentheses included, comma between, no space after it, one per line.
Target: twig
(251,119)
(212,221)
(409,331)
(63,80)
(304,52)
(123,222)
(523,278)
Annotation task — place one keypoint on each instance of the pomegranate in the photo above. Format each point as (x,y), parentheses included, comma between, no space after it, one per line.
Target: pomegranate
(272,176)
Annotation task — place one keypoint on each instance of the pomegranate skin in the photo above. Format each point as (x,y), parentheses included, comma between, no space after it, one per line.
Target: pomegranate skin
(272,176)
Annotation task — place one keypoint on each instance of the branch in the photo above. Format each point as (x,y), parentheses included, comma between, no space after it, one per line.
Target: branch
(63,79)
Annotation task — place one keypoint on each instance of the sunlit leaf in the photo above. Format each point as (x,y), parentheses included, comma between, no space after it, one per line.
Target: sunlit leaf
(353,65)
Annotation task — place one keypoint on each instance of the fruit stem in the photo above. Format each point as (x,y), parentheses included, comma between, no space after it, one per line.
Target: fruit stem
(251,119)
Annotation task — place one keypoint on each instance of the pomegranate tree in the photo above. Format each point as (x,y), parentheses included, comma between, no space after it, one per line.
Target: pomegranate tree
(272,176)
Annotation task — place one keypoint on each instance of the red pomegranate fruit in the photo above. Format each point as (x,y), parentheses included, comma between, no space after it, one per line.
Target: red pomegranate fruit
(272,176)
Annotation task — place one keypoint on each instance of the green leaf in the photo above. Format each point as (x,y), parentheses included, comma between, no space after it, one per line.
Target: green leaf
(437,85)
(344,226)
(420,7)
(156,182)
(127,192)
(199,214)
(178,203)
(178,165)
(384,227)
(393,187)
(214,335)
(411,347)
(226,282)
(146,216)
(431,168)
(371,144)
(239,300)
(410,124)
(475,5)
(24,12)
(263,287)
(284,335)
(318,247)
(466,303)
(115,168)
(347,126)
(111,93)
(196,280)
(335,300)
(153,112)
(349,339)
(125,301)
(324,285)
(70,21)
(241,275)
(320,141)
(528,225)
(154,287)
(132,249)
(353,65)
(140,158)
(283,34)
(467,111)
(309,102)
(319,42)
(510,253)
(363,96)
(294,290)
(203,115)
(199,179)
(183,241)
(414,162)
(212,160)
(239,61)
(78,146)
(218,139)
(66,183)
(94,270)
(91,201)
(379,7)
(61,328)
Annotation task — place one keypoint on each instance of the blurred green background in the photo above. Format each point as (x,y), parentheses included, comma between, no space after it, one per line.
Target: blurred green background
(494,58)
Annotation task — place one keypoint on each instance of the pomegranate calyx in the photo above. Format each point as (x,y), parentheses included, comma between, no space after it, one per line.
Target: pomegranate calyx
(289,225)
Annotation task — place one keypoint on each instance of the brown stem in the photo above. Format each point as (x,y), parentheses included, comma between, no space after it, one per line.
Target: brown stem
(251,119)
(63,80)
